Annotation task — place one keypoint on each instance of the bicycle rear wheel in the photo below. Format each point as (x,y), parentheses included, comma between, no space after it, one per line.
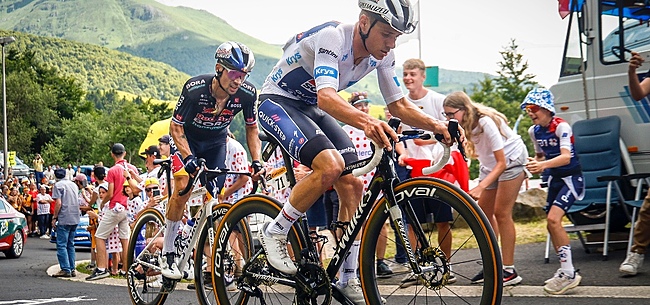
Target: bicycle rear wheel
(474,249)
(203,257)
(241,274)
(144,281)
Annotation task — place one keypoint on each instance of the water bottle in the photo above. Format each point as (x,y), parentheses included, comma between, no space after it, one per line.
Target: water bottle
(140,242)
(187,229)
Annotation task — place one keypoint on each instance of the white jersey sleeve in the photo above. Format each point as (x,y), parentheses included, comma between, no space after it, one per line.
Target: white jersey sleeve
(564,133)
(389,85)
(326,53)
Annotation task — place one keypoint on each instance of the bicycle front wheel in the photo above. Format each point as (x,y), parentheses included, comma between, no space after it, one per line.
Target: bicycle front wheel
(241,274)
(146,284)
(474,249)
(203,257)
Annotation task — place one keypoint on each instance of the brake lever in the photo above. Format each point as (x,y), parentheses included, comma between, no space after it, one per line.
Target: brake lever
(452,127)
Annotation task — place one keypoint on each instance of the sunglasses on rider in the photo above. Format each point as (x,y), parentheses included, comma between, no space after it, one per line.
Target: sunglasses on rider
(236,74)
(532,108)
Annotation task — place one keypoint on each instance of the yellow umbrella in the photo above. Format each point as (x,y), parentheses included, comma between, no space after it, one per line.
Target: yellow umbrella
(156,130)
(345,95)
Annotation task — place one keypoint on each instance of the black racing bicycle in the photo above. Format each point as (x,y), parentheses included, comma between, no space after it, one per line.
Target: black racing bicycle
(475,247)
(144,257)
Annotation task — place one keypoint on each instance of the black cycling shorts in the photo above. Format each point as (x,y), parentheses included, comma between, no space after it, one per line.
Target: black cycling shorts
(303,130)
(213,150)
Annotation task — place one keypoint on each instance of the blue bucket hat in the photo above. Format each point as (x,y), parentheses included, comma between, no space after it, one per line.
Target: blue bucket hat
(541,97)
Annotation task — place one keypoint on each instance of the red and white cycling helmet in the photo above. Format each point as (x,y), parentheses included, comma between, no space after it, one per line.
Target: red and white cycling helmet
(398,13)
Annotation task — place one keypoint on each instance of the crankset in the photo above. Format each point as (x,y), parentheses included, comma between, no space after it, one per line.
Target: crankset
(312,285)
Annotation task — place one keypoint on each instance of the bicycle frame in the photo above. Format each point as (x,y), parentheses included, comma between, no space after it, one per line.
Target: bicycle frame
(204,215)
(383,180)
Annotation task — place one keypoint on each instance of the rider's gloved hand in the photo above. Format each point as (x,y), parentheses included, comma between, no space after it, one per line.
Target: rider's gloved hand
(191,165)
(258,170)
(257,166)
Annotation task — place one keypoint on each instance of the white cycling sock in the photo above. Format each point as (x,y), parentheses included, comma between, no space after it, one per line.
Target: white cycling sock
(509,268)
(171,231)
(566,262)
(284,220)
(350,264)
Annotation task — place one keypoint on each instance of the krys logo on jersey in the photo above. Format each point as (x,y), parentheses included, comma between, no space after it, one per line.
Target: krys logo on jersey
(325,71)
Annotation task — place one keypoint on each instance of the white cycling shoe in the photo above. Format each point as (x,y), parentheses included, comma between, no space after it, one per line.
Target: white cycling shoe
(169,268)
(277,255)
(352,290)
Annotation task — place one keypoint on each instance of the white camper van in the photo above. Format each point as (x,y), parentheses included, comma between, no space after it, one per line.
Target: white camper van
(600,36)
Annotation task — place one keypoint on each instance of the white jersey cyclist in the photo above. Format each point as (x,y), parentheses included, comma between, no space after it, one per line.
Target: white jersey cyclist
(322,57)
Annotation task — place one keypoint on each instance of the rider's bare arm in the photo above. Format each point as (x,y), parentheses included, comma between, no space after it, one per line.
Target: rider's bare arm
(413,116)
(638,90)
(253,142)
(178,134)
(332,103)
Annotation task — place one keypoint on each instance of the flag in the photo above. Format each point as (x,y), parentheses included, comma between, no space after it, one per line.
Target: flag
(415,35)
(563,8)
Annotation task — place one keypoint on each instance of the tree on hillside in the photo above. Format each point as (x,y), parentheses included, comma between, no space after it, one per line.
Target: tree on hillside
(506,92)
(38,98)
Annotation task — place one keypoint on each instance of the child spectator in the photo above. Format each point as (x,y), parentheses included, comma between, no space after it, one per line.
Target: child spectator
(553,140)
(502,155)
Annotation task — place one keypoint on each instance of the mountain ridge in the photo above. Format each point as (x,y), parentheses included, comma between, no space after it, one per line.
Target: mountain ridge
(182,37)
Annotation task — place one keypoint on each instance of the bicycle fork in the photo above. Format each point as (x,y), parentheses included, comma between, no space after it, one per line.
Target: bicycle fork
(397,218)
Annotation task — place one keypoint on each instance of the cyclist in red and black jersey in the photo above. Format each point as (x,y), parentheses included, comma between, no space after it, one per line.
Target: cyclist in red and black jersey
(204,109)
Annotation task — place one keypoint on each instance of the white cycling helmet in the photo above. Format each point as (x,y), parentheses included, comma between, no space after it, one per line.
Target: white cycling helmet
(398,13)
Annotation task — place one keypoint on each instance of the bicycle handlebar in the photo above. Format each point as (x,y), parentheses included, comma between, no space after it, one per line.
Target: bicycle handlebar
(203,170)
(452,127)
(376,158)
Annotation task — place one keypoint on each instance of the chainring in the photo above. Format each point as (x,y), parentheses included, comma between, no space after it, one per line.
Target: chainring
(312,283)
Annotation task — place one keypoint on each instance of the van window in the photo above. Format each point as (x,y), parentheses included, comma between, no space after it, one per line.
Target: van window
(634,35)
(574,51)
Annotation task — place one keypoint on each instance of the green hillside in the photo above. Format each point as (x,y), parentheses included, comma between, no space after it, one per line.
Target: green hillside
(182,37)
(99,68)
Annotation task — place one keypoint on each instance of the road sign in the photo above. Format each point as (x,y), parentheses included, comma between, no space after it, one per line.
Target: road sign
(12,158)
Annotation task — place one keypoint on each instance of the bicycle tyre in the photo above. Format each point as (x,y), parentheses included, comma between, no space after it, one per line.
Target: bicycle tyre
(463,261)
(139,289)
(243,219)
(204,294)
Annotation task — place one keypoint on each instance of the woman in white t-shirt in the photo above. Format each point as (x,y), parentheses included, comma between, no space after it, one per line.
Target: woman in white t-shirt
(502,156)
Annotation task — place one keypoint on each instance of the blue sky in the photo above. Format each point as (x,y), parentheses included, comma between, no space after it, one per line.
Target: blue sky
(460,35)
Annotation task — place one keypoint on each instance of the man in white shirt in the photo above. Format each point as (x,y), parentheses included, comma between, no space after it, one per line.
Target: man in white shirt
(420,154)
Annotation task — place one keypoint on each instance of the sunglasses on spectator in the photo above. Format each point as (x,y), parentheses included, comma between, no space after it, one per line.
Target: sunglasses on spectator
(450,115)
(532,108)
(235,74)
(149,189)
